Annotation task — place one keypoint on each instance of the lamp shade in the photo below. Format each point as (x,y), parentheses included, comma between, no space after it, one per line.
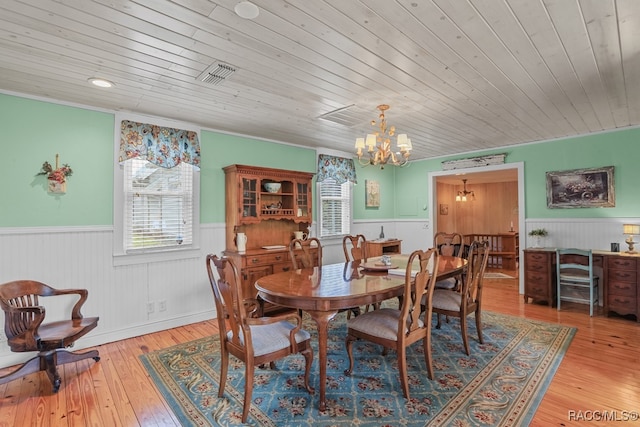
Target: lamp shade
(359,142)
(631,229)
(402,140)
(371,141)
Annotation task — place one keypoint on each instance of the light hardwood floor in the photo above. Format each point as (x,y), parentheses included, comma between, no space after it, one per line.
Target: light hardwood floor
(599,373)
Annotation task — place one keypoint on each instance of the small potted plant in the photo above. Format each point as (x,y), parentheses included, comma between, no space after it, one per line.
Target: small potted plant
(537,235)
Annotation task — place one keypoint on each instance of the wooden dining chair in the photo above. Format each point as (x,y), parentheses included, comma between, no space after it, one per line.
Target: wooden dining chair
(397,329)
(305,253)
(355,251)
(354,248)
(449,244)
(576,281)
(468,300)
(24,324)
(253,340)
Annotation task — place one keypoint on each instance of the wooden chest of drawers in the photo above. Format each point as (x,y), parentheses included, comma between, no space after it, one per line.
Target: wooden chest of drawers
(621,293)
(539,276)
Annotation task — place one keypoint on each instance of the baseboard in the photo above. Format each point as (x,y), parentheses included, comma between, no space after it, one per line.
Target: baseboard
(96,339)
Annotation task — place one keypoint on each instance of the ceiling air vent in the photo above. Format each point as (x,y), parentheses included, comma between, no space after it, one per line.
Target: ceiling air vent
(216,73)
(350,116)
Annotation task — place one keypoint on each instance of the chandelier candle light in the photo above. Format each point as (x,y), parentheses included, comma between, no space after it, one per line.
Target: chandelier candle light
(379,144)
(462,195)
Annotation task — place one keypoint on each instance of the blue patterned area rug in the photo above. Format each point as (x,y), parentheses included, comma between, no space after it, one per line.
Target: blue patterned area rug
(500,384)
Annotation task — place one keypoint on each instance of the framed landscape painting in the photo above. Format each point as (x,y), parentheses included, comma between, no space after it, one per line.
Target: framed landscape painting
(581,188)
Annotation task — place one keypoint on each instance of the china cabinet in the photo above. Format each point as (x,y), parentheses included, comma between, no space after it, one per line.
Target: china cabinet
(266,205)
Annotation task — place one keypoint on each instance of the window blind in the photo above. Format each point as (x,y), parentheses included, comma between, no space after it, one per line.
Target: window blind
(158,206)
(335,206)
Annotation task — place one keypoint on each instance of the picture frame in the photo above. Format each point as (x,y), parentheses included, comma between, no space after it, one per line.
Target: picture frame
(444,209)
(581,188)
(372,194)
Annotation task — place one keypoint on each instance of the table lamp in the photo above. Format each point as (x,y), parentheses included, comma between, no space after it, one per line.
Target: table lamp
(630,230)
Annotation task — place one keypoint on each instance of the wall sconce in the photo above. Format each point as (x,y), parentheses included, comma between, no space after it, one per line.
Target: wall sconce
(630,230)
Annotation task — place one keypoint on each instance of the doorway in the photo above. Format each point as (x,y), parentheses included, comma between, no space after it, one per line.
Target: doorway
(483,174)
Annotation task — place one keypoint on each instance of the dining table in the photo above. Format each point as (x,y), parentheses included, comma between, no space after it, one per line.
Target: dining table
(325,290)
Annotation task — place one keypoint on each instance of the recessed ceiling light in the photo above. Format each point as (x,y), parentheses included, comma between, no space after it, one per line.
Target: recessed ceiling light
(246,10)
(101,82)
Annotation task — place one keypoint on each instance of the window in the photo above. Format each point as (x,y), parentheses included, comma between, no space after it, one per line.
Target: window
(158,206)
(156,210)
(335,208)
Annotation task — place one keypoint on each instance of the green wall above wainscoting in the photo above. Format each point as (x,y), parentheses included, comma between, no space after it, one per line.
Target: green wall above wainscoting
(620,149)
(219,150)
(35,131)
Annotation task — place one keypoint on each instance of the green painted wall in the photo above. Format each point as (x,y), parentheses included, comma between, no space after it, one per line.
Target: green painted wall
(34,131)
(386,179)
(220,150)
(617,148)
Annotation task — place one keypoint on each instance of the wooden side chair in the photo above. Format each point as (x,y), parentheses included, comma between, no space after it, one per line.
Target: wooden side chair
(397,329)
(576,280)
(468,299)
(253,340)
(301,253)
(27,331)
(354,248)
(449,244)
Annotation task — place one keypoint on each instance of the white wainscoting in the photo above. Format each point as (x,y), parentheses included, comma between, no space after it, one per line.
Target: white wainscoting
(82,257)
(413,233)
(583,233)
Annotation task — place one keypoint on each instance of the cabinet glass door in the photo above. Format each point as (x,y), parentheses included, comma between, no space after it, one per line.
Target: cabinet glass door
(302,200)
(249,198)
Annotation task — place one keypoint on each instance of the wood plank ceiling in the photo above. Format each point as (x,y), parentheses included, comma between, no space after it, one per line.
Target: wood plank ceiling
(459,75)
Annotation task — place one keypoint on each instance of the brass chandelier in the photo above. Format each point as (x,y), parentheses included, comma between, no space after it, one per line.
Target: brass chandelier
(462,195)
(379,144)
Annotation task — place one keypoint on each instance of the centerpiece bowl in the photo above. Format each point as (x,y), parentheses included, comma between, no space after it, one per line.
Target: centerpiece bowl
(272,187)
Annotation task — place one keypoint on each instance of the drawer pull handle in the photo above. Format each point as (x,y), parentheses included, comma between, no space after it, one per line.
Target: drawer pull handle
(285,269)
(255,260)
(278,258)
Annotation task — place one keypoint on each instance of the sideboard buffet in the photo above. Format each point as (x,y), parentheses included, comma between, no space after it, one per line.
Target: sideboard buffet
(266,216)
(619,277)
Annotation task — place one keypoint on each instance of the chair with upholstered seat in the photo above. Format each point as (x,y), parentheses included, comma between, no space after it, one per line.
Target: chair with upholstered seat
(449,244)
(397,329)
(575,277)
(302,253)
(26,329)
(355,251)
(461,303)
(253,340)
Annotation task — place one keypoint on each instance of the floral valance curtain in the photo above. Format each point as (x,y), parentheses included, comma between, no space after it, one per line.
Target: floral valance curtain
(162,146)
(337,168)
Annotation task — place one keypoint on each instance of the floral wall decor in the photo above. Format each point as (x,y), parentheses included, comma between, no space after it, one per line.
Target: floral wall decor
(57,177)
